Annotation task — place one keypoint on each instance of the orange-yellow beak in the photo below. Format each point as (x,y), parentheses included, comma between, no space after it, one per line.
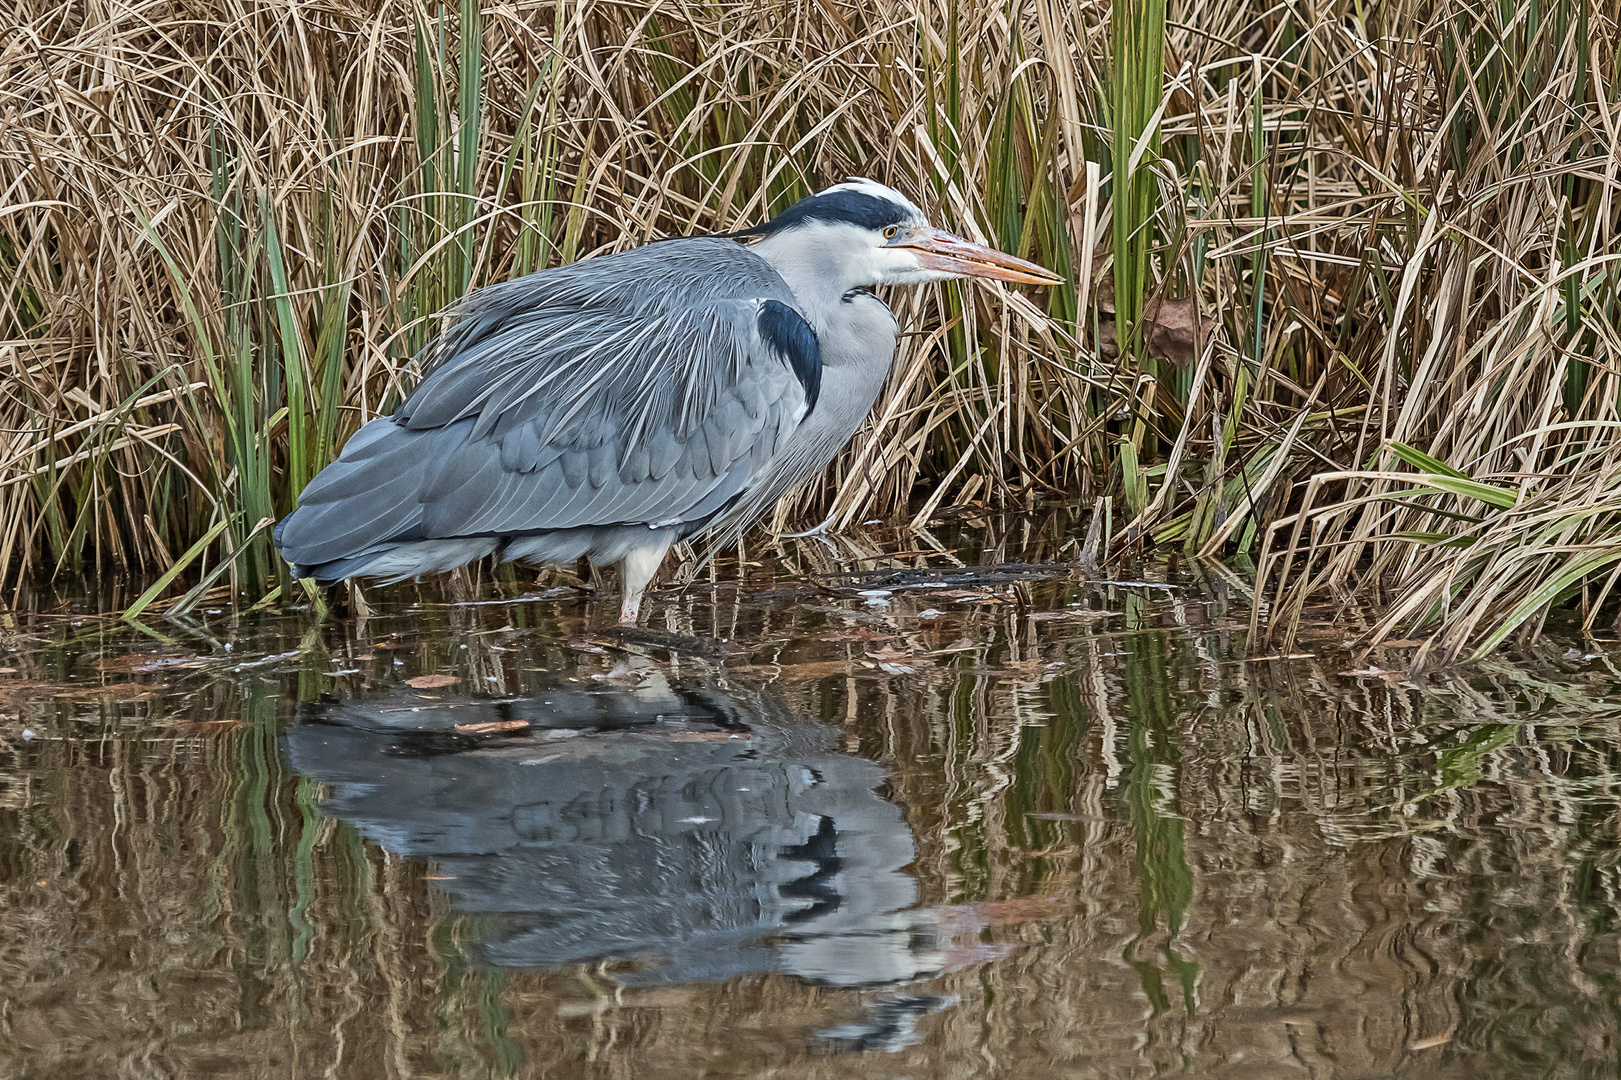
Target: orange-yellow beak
(948,254)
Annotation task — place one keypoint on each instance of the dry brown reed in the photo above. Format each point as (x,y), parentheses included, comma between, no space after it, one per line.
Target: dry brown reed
(226,229)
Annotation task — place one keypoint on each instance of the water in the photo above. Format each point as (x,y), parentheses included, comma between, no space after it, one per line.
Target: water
(1005,825)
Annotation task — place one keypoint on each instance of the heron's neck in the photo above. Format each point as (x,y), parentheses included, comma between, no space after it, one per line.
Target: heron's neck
(819,273)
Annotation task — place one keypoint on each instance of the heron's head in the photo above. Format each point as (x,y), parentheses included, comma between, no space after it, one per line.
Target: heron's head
(861,233)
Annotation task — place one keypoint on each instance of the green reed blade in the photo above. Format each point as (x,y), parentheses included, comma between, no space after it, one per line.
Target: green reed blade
(180,564)
(469,113)
(292,353)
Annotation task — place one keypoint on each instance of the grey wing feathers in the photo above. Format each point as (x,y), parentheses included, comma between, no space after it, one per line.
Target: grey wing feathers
(631,389)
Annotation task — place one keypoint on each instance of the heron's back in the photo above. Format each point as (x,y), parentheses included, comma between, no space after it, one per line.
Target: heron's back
(619,403)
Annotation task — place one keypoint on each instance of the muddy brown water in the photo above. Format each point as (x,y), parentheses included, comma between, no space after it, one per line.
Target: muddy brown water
(918,820)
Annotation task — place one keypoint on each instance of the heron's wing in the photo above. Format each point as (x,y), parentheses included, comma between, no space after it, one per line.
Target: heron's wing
(654,421)
(647,391)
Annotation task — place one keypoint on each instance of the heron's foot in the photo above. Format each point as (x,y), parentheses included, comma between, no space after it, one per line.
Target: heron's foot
(814,530)
(628,611)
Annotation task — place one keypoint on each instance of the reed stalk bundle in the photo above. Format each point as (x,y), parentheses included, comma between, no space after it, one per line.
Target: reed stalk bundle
(1344,274)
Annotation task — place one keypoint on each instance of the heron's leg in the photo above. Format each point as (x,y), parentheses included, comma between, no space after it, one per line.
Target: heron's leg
(636,570)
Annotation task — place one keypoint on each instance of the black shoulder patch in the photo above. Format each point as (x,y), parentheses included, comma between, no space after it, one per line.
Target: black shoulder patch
(786,331)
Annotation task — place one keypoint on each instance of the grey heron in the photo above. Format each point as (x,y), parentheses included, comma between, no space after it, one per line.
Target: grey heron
(613,407)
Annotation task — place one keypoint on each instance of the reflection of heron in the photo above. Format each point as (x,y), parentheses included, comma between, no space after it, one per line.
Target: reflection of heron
(734,840)
(616,406)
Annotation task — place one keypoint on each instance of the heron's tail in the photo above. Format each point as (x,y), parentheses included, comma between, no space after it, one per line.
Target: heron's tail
(362,515)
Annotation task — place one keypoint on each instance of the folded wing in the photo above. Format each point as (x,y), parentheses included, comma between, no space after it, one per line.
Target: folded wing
(648,388)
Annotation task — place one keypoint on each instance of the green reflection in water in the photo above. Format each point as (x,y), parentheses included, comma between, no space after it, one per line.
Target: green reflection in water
(1043,770)
(971,860)
(1165,882)
(1463,765)
(304,868)
(494,1017)
(250,854)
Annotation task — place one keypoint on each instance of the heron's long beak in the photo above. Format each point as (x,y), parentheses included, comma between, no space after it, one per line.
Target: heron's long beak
(953,255)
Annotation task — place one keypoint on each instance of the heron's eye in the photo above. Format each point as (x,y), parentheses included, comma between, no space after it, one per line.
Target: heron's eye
(889,233)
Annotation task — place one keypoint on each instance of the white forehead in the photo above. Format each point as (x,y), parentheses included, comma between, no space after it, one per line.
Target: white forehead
(876,190)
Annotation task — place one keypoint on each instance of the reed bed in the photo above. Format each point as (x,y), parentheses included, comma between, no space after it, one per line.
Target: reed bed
(1343,303)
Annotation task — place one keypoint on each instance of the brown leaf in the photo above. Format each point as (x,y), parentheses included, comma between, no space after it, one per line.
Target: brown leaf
(150,660)
(1173,328)
(1102,289)
(890,660)
(969,596)
(428,682)
(704,736)
(490,727)
(1108,346)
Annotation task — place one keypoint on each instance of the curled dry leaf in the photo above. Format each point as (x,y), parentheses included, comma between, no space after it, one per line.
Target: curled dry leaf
(491,727)
(429,682)
(148,660)
(888,654)
(1172,328)
(1107,346)
(969,596)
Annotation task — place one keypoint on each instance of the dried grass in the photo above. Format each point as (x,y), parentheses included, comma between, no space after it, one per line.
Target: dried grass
(226,229)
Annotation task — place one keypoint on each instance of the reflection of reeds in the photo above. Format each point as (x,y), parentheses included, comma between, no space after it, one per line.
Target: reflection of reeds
(1385,246)
(1175,855)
